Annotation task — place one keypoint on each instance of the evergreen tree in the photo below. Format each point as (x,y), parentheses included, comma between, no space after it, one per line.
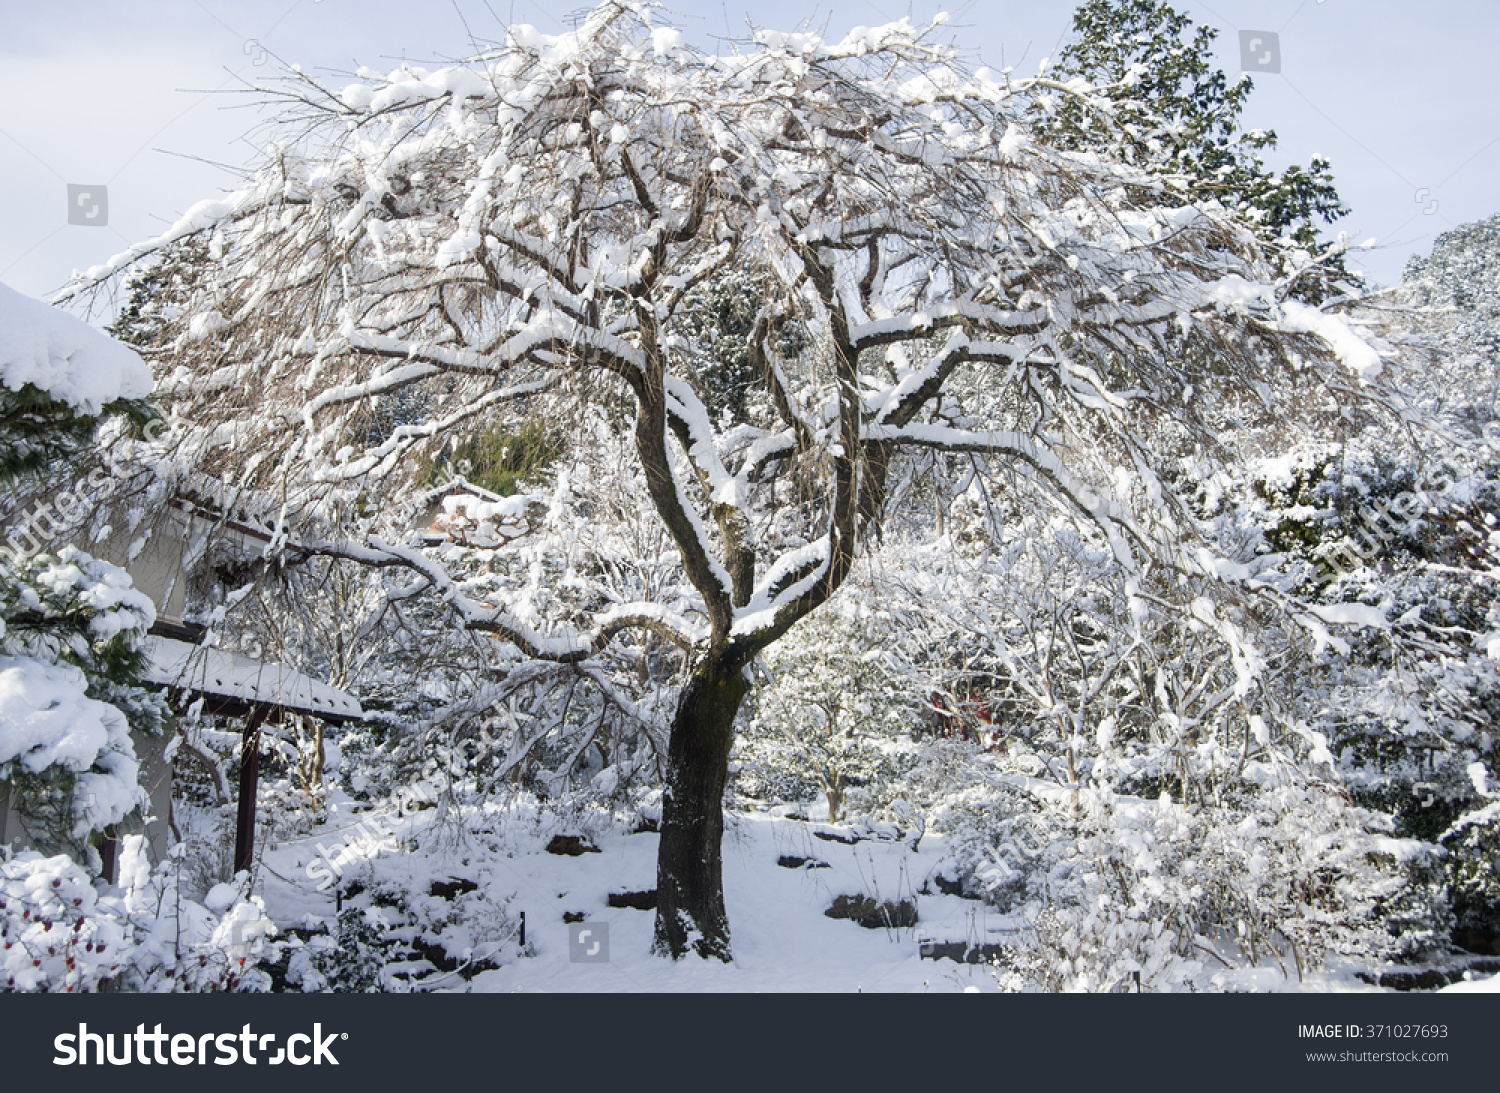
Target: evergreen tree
(1175,112)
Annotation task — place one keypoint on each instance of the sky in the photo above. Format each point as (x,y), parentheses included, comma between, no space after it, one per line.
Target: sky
(124,113)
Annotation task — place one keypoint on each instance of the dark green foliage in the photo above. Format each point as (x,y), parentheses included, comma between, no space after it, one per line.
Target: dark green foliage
(353,965)
(719,318)
(154,293)
(499,460)
(1473,846)
(1175,111)
(37,432)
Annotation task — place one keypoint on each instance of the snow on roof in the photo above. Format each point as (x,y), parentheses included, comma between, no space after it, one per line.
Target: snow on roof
(464,512)
(223,673)
(65,357)
(458,484)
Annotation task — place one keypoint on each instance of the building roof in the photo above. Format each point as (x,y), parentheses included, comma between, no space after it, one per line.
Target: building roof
(460,511)
(224,674)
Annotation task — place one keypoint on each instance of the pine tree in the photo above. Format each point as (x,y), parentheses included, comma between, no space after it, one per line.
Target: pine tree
(1177,113)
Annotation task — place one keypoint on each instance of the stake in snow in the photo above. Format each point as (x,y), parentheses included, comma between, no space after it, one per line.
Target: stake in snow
(530,236)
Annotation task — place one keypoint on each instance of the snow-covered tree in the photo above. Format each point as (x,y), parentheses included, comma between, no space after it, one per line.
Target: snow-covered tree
(522,236)
(58,376)
(1174,110)
(71,629)
(70,625)
(839,708)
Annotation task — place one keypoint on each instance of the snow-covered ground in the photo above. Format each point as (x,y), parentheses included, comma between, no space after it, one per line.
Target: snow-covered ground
(782,939)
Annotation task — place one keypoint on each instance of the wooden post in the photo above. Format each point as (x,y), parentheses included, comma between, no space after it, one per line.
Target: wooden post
(244,829)
(109,854)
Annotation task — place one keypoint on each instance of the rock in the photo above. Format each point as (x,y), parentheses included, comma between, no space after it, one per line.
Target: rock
(636,901)
(1485,942)
(571,846)
(787,861)
(962,952)
(848,838)
(952,887)
(874,915)
(452,888)
(1431,979)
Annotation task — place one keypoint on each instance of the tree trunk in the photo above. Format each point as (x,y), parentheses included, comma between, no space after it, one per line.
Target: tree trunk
(690,912)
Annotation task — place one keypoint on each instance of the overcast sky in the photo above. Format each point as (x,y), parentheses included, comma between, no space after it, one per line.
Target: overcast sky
(145,98)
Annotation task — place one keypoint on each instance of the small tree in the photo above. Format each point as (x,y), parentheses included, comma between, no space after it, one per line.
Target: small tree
(838,707)
(515,237)
(70,626)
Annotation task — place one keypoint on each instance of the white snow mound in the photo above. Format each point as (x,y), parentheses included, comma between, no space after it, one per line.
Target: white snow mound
(65,357)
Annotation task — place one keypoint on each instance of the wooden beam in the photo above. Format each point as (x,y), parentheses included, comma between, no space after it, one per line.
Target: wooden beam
(244,829)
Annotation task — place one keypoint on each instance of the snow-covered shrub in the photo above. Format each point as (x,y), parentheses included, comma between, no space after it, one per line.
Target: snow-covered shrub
(59,933)
(57,376)
(837,713)
(1118,892)
(1106,949)
(1473,846)
(71,629)
(350,960)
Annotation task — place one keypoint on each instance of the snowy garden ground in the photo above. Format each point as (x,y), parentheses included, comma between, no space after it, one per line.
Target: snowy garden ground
(783,941)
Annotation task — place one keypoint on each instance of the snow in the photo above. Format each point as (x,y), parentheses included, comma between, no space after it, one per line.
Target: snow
(1236,292)
(46,719)
(1349,347)
(665,40)
(1350,614)
(782,941)
(64,357)
(1488,985)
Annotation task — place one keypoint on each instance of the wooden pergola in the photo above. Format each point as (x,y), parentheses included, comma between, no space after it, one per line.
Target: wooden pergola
(255,692)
